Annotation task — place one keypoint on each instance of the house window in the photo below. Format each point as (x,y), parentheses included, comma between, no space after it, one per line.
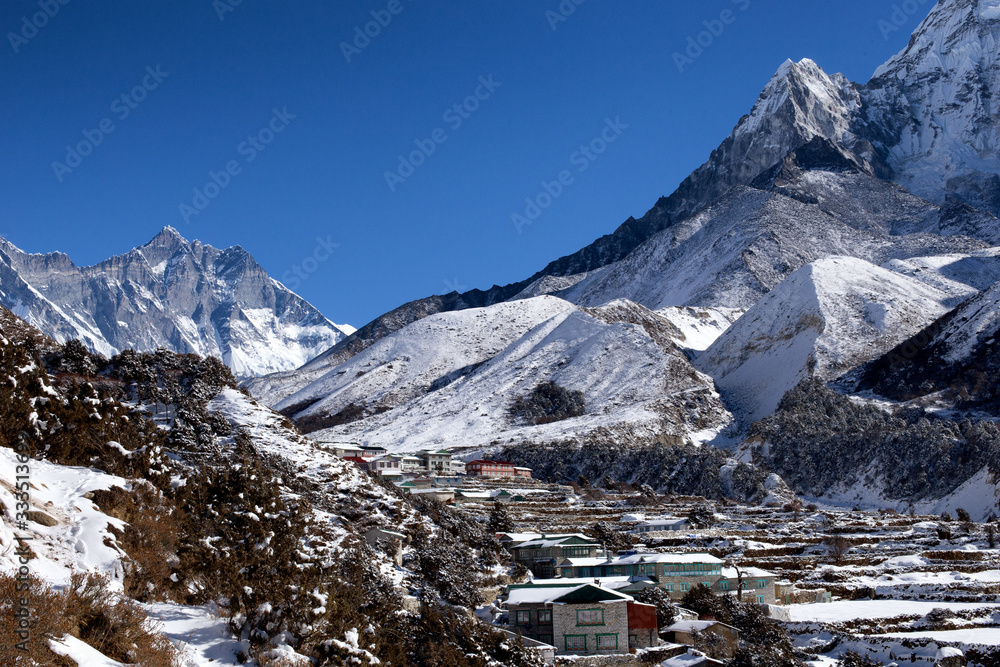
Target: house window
(724,584)
(762,583)
(633,641)
(685,586)
(760,599)
(524,617)
(607,642)
(590,617)
(576,643)
(544,617)
(669,588)
(706,584)
(649,569)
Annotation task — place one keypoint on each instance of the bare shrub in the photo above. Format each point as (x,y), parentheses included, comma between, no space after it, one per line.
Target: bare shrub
(114,624)
(837,547)
(150,539)
(46,620)
(87,609)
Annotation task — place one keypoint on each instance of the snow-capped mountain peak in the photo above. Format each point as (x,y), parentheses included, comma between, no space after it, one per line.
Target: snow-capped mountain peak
(170,292)
(932,105)
(955,33)
(816,104)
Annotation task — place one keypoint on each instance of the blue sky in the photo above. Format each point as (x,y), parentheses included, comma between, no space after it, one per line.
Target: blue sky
(300,131)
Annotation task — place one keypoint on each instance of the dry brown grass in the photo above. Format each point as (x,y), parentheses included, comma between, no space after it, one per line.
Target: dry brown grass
(88,610)
(45,620)
(114,624)
(150,539)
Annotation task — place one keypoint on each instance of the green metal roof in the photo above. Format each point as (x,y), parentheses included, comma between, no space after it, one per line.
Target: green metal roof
(589,593)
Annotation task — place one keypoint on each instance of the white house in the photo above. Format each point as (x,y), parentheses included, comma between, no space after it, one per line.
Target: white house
(660,525)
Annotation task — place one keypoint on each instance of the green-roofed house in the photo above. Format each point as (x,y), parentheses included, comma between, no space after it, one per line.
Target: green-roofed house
(541,555)
(436,462)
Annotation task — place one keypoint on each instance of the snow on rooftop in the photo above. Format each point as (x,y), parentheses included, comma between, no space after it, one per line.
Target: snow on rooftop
(537,594)
(691,626)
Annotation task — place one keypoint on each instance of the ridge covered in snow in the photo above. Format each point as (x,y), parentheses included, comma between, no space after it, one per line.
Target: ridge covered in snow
(450,379)
(825,319)
(185,296)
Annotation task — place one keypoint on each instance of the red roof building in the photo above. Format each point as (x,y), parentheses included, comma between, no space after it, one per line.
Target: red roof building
(481,468)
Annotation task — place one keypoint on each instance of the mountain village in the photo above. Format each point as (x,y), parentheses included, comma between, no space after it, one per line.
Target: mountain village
(583,595)
(758,426)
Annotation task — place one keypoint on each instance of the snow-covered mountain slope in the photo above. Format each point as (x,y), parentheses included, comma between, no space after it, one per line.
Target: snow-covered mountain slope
(699,327)
(273,388)
(741,247)
(931,107)
(964,275)
(955,355)
(185,296)
(823,320)
(432,350)
(636,382)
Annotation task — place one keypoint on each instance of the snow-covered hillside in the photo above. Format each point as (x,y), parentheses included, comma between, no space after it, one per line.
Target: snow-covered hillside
(155,534)
(741,247)
(825,319)
(407,364)
(449,380)
(185,296)
(963,275)
(956,356)
(699,327)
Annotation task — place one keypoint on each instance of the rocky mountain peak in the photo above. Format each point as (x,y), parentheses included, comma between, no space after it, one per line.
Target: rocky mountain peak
(168,238)
(185,296)
(955,33)
(932,105)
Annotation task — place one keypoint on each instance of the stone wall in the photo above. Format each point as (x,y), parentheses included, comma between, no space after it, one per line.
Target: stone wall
(564,622)
(642,659)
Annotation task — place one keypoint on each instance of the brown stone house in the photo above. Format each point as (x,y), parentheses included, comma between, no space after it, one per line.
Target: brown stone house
(643,630)
(585,619)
